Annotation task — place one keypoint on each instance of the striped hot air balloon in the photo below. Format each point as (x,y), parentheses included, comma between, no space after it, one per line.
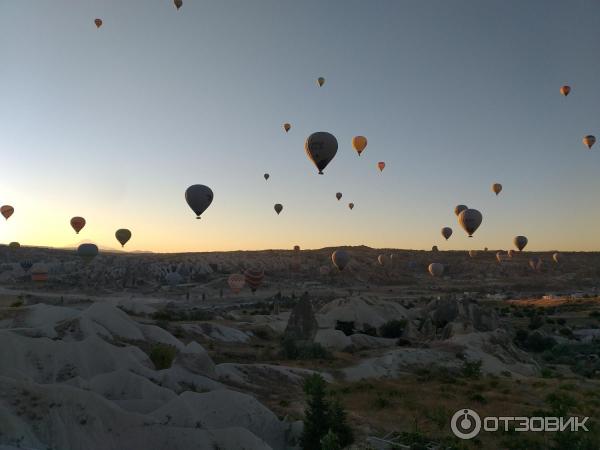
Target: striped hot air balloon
(254,277)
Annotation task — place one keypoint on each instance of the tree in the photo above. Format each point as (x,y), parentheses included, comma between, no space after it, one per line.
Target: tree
(325,424)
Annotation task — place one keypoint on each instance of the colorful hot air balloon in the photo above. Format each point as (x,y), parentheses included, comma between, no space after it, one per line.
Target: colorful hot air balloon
(436,269)
(320,81)
(7,211)
(351,205)
(98,22)
(123,235)
(382,260)
(496,188)
(14,245)
(296,248)
(499,257)
(557,257)
(589,141)
(286,127)
(266,175)
(178,4)
(199,198)
(459,208)
(520,242)
(446,232)
(434,248)
(77,223)
(472,253)
(359,143)
(340,259)
(564,90)
(278,208)
(470,219)
(381,166)
(338,195)
(320,148)
(87,252)
(236,282)
(254,277)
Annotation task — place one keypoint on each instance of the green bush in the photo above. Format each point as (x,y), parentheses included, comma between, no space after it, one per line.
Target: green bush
(162,356)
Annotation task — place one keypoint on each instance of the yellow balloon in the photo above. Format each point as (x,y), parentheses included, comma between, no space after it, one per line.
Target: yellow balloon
(359,143)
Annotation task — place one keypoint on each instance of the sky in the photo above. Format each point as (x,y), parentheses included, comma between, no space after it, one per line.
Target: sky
(113,124)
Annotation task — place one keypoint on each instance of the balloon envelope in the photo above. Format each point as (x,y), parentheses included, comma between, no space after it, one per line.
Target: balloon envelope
(564,90)
(520,242)
(351,205)
(446,232)
(266,175)
(254,277)
(320,148)
(359,143)
(87,251)
(286,127)
(236,282)
(7,211)
(14,245)
(589,141)
(535,263)
(338,195)
(557,257)
(320,81)
(496,188)
(381,166)
(77,223)
(123,235)
(436,269)
(382,260)
(178,3)
(199,198)
(459,208)
(98,22)
(278,208)
(470,219)
(340,259)
(472,253)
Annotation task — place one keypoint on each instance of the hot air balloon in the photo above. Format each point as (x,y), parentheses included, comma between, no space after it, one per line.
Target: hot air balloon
(266,175)
(26,265)
(470,219)
(320,148)
(178,4)
(320,81)
(496,188)
(535,263)
(359,143)
(499,257)
(236,282)
(338,195)
(511,252)
(351,205)
(98,22)
(557,257)
(434,248)
(14,245)
(199,198)
(254,277)
(589,141)
(446,232)
(296,248)
(278,208)
(123,235)
(472,253)
(382,260)
(340,259)
(436,269)
(520,242)
(77,223)
(7,211)
(459,208)
(381,166)
(87,252)
(286,127)
(564,90)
